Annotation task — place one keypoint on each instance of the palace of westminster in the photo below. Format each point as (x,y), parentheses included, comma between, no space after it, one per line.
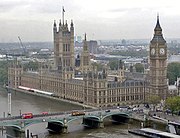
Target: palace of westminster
(78,80)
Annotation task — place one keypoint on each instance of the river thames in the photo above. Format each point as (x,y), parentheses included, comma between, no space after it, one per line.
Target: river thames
(22,103)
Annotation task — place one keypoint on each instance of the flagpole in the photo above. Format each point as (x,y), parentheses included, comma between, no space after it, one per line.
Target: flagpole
(63,14)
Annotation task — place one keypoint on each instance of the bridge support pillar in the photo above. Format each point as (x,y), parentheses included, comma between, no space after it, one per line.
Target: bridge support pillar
(101,124)
(65,127)
(22,134)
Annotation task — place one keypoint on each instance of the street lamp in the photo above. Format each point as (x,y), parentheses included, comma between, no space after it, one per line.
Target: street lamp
(20,112)
(9,102)
(84,108)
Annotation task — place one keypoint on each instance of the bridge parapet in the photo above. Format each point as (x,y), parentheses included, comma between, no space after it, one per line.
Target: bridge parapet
(90,119)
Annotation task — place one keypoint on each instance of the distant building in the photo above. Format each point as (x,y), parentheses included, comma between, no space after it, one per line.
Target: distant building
(92,46)
(123,42)
(79,39)
(174,58)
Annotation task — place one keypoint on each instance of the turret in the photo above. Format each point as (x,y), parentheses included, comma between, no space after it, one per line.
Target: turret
(66,26)
(85,46)
(72,25)
(85,57)
(120,65)
(55,27)
(60,26)
(72,29)
(121,71)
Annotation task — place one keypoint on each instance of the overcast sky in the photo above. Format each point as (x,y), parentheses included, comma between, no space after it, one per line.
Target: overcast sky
(32,20)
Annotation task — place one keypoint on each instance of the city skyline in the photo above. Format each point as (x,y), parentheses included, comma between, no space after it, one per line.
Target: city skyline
(116,19)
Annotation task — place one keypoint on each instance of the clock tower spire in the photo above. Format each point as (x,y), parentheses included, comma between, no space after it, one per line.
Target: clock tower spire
(158,64)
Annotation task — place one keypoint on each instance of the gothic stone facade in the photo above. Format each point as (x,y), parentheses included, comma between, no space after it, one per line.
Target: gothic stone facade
(93,87)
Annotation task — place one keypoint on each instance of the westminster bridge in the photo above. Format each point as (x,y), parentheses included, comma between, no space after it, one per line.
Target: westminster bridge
(59,122)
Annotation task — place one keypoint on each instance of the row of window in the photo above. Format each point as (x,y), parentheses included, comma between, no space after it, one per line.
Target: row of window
(126,84)
(119,99)
(66,47)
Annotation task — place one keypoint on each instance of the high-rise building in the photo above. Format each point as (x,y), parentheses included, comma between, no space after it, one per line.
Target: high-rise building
(158,64)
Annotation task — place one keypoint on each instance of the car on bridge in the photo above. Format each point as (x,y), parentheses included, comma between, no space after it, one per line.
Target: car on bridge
(27,116)
(107,110)
(77,113)
(44,113)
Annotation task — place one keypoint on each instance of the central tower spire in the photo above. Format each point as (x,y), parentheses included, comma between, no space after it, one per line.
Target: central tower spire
(158,36)
(158,29)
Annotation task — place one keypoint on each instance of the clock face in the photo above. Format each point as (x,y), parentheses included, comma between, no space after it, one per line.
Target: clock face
(152,51)
(161,51)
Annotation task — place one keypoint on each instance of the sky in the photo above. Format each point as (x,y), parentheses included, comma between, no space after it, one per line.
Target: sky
(32,20)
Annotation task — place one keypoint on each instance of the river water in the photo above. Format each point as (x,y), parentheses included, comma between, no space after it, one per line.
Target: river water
(22,102)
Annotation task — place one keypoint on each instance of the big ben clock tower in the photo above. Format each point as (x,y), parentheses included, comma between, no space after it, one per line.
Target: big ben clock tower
(158,64)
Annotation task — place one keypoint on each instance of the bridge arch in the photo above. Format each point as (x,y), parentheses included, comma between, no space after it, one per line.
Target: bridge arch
(74,119)
(14,131)
(91,121)
(92,116)
(117,117)
(31,122)
(111,114)
(15,126)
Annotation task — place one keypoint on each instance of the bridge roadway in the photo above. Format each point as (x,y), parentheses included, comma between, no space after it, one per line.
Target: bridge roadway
(60,120)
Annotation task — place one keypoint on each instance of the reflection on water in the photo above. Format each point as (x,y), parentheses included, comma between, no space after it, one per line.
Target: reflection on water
(28,103)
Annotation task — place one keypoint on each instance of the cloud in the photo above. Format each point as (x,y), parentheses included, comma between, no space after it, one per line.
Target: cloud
(6,6)
(103,18)
(126,10)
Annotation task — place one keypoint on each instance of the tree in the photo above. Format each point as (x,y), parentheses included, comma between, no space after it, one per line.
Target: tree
(113,64)
(132,53)
(154,99)
(139,67)
(4,71)
(99,66)
(31,65)
(173,71)
(173,103)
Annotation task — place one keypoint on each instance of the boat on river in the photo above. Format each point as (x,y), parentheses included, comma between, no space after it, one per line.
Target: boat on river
(174,127)
(153,133)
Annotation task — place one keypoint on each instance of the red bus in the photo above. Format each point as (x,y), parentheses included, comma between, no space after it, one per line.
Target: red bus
(27,115)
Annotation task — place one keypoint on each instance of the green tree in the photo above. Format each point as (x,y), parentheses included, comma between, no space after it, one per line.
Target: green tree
(31,65)
(99,66)
(113,64)
(4,71)
(154,99)
(139,67)
(173,71)
(132,53)
(173,103)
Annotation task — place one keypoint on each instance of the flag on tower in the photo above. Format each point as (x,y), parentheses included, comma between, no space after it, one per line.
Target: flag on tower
(63,14)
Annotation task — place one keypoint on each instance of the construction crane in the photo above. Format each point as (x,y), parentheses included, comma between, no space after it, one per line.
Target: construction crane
(23,47)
